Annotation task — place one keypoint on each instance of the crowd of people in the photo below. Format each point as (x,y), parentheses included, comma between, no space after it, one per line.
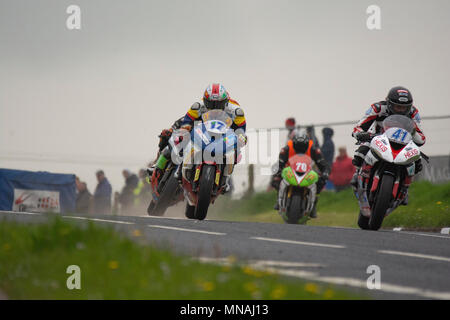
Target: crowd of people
(342,168)
(133,198)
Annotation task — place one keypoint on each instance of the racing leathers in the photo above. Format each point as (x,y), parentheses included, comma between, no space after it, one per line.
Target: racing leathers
(316,155)
(372,123)
(235,112)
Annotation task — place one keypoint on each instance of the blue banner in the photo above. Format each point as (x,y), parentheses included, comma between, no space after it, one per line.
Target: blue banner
(37,191)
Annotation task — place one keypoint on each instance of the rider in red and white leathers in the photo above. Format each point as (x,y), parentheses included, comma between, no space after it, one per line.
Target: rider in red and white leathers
(398,101)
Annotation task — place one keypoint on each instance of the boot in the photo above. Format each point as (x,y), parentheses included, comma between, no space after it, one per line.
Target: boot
(313,213)
(276,206)
(178,175)
(405,199)
(354,181)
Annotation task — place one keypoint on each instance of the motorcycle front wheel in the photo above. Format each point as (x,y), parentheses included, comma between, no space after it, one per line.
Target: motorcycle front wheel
(295,211)
(205,191)
(382,202)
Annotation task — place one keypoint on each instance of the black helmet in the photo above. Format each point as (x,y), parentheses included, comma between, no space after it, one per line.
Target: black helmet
(300,140)
(399,101)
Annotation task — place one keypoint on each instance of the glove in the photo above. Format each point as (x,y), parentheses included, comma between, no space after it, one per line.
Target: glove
(321,183)
(242,140)
(363,136)
(166,133)
(275,183)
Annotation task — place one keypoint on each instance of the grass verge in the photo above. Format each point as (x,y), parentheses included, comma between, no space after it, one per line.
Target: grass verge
(34,260)
(428,208)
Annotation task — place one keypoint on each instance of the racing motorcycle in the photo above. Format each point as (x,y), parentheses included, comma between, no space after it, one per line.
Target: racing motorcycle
(297,192)
(166,191)
(212,152)
(389,167)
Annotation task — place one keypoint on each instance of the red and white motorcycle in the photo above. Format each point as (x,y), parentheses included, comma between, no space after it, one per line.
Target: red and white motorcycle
(387,172)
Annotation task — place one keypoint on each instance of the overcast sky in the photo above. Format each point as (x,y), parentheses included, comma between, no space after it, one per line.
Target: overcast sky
(103,93)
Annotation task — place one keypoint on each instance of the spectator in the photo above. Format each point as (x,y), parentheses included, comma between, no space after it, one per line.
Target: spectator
(290,127)
(102,194)
(83,198)
(126,197)
(143,190)
(342,170)
(328,145)
(312,135)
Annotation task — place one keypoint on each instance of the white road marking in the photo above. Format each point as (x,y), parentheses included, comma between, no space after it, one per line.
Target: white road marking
(21,212)
(260,263)
(159,217)
(415,255)
(424,235)
(187,230)
(99,220)
(285,264)
(397,229)
(351,282)
(335,246)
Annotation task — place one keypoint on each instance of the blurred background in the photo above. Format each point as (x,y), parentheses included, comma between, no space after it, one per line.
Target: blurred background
(75,101)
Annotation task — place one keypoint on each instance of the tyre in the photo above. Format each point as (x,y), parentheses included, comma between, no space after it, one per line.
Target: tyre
(382,202)
(190,211)
(205,191)
(363,222)
(165,197)
(150,208)
(295,211)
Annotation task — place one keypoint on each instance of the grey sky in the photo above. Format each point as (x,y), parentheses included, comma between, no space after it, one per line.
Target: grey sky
(106,91)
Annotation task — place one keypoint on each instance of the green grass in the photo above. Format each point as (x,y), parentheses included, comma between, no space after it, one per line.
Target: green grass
(428,208)
(34,259)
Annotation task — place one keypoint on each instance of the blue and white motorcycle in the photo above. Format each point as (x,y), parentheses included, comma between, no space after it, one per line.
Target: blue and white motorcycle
(208,163)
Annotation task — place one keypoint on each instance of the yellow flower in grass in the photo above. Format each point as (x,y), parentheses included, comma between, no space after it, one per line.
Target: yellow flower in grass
(439,202)
(113,264)
(6,247)
(231,259)
(252,272)
(206,285)
(278,293)
(328,294)
(250,287)
(312,288)
(226,268)
(137,233)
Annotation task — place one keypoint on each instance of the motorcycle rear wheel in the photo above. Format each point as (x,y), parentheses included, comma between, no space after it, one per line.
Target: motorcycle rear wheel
(166,195)
(363,222)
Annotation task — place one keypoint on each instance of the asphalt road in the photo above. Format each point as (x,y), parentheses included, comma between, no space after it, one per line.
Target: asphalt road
(413,265)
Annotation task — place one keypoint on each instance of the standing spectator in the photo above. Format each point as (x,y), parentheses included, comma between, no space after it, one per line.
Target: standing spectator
(290,127)
(312,135)
(102,194)
(83,198)
(143,190)
(342,170)
(126,197)
(328,145)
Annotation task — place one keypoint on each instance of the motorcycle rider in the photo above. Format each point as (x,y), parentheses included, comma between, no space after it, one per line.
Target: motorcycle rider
(216,97)
(301,143)
(399,100)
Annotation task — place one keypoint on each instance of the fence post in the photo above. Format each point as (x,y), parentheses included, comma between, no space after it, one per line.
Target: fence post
(251,180)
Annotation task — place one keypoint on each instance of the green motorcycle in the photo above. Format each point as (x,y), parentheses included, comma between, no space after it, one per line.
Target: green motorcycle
(297,192)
